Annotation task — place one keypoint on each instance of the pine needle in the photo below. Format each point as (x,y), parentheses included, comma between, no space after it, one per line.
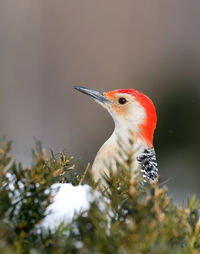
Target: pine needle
(84,174)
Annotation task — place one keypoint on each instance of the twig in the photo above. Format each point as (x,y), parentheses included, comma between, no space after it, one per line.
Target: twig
(84,174)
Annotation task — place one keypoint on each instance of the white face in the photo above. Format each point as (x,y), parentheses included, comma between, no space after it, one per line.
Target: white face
(129,109)
(123,107)
(125,110)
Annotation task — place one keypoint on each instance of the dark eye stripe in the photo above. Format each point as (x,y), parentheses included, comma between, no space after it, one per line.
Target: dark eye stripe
(122,100)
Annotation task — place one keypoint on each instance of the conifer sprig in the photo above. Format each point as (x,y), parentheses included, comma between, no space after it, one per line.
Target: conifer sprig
(132,218)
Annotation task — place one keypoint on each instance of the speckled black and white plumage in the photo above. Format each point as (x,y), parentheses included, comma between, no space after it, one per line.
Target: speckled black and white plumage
(148,163)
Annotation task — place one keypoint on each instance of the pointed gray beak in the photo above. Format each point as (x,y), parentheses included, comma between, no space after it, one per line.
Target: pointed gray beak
(98,96)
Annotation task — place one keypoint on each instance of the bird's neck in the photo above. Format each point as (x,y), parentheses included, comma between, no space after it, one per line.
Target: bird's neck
(122,143)
(129,140)
(135,130)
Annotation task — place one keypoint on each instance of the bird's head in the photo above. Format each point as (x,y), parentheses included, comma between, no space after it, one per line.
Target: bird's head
(129,108)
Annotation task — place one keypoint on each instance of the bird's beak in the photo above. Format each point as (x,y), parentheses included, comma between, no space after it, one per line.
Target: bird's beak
(98,96)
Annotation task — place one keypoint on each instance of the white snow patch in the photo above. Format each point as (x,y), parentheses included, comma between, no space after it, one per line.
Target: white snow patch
(68,200)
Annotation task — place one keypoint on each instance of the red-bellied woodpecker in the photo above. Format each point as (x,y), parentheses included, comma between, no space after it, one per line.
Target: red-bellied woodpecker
(135,120)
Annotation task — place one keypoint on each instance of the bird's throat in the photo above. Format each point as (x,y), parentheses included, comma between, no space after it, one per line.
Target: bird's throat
(116,150)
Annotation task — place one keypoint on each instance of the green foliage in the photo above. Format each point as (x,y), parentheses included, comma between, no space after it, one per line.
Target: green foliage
(25,193)
(128,217)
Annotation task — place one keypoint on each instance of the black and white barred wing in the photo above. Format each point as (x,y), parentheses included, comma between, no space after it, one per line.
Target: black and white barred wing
(148,164)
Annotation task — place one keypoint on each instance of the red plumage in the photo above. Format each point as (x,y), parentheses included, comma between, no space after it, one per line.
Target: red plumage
(149,125)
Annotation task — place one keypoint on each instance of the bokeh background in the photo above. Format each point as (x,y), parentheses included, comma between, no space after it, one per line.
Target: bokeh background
(48,46)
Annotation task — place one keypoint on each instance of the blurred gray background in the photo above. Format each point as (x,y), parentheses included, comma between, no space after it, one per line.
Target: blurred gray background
(47,47)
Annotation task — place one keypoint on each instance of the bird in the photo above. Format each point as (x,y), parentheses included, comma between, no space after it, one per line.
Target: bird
(135,119)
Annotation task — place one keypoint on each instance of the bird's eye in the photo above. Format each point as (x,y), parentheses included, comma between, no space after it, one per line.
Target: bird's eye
(122,100)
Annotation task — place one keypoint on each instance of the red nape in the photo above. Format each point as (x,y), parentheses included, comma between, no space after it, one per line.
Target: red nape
(149,125)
